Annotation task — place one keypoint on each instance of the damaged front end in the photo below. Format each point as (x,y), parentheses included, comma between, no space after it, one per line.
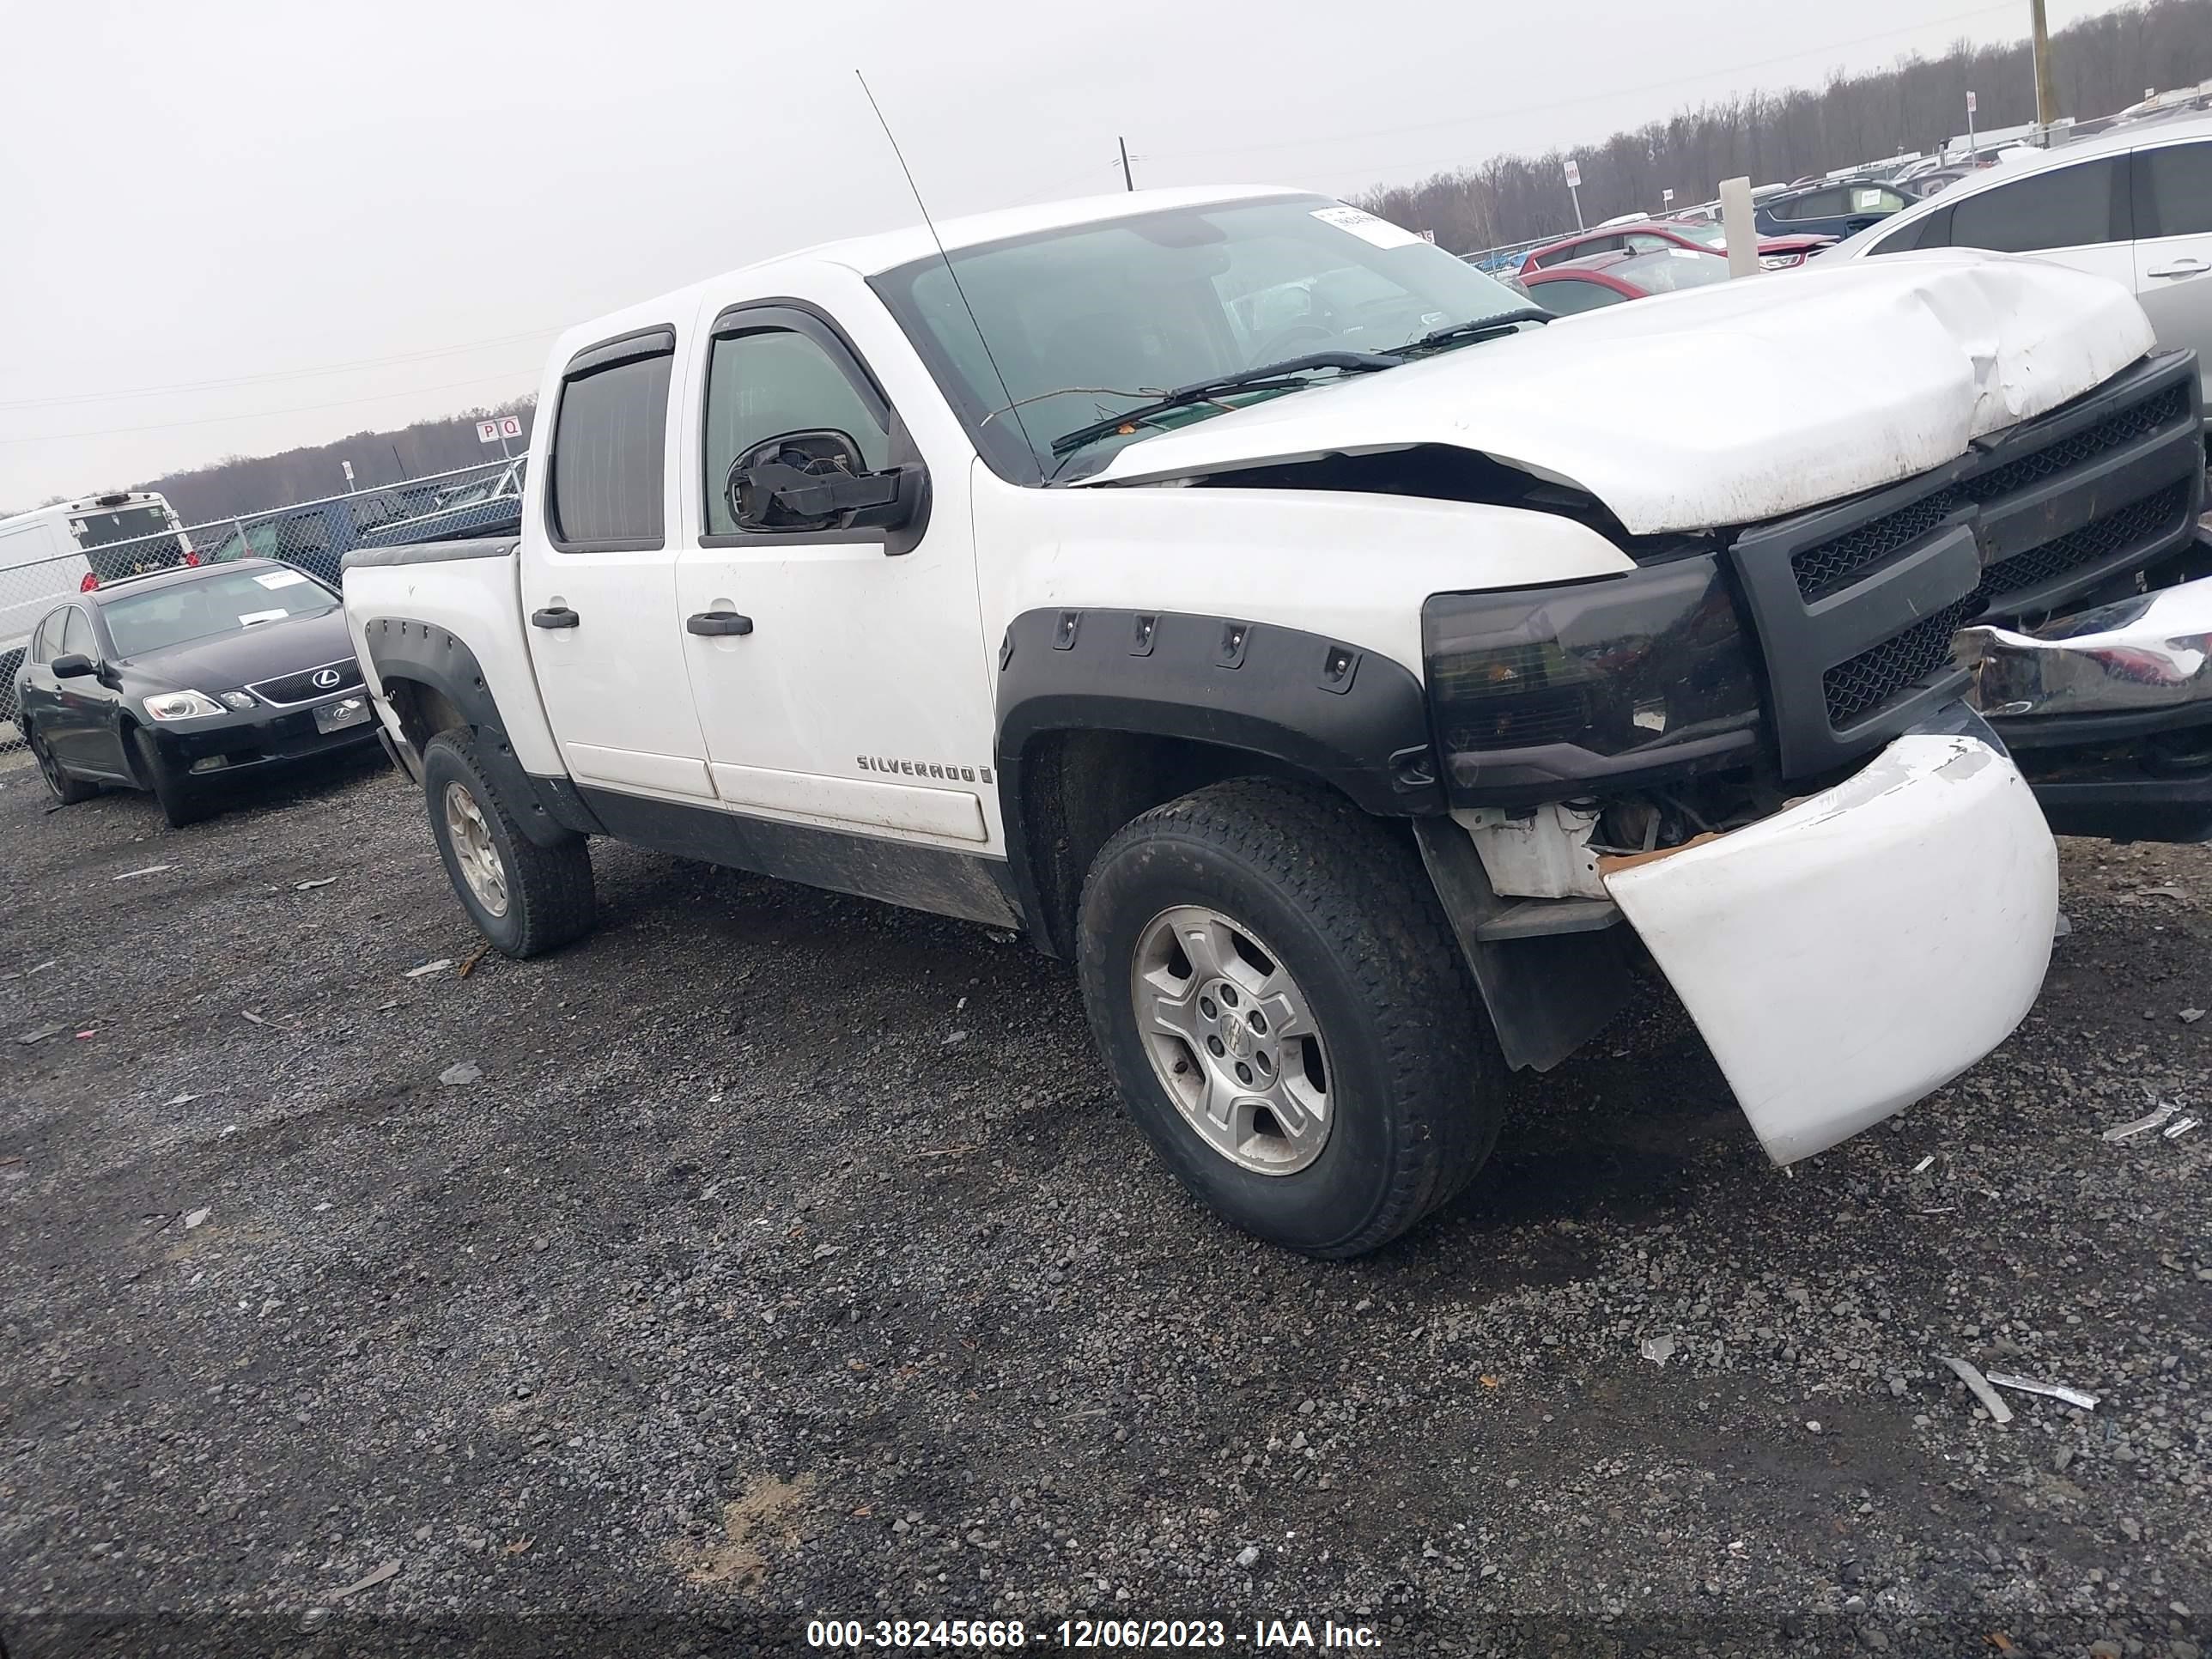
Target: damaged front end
(1761,752)
(2109,708)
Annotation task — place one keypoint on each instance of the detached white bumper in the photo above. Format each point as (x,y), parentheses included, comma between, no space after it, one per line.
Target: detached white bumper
(1849,954)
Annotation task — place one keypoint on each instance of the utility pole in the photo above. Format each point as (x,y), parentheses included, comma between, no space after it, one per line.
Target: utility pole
(2046,85)
(1127,183)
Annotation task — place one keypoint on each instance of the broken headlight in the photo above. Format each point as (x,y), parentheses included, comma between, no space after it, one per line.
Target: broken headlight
(1540,694)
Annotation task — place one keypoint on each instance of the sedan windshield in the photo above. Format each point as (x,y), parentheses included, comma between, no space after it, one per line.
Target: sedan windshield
(1089,320)
(226,602)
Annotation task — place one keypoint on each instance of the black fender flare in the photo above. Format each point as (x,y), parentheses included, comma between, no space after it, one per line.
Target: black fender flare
(1351,717)
(402,647)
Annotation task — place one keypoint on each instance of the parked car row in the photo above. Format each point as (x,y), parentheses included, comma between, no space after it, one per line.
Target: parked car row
(2133,204)
(1654,235)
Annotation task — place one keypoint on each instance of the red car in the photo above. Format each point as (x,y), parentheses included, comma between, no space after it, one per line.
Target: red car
(1775,253)
(1606,279)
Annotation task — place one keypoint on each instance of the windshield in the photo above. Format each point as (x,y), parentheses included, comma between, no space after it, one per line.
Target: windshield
(227,602)
(1095,319)
(1712,236)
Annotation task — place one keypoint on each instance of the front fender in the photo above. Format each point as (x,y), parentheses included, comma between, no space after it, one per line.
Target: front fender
(1351,718)
(403,648)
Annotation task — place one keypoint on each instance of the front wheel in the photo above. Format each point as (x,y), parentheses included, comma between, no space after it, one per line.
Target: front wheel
(526,898)
(1286,1015)
(183,802)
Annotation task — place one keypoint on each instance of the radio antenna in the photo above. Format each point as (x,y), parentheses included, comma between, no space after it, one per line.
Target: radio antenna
(974,322)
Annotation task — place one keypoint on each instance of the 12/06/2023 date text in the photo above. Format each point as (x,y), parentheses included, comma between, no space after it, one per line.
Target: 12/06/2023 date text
(1109,1635)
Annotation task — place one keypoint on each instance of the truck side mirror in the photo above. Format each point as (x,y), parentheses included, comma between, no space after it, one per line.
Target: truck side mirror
(814,480)
(71,665)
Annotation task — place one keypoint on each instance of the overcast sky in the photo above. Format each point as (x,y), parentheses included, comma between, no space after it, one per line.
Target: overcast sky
(235,226)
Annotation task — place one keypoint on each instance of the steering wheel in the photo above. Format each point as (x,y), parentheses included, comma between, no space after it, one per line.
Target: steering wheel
(1284,342)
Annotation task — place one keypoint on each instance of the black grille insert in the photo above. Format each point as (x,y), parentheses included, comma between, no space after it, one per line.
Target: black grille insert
(1857,688)
(301,687)
(2131,526)
(2123,427)
(1821,570)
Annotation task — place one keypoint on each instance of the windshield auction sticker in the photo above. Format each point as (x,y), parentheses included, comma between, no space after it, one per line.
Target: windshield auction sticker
(1366,227)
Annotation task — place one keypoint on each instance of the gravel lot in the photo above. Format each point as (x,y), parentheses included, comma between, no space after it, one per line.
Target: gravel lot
(788,1257)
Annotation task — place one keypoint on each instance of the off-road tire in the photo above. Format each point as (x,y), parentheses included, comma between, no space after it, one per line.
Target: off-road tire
(183,802)
(551,898)
(1417,1077)
(68,790)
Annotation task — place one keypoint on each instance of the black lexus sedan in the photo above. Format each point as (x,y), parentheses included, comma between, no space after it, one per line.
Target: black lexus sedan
(177,681)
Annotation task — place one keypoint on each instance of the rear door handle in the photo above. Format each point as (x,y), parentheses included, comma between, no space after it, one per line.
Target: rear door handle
(2186,267)
(717,623)
(554,616)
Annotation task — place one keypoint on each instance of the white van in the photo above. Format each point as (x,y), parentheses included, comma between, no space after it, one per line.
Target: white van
(50,553)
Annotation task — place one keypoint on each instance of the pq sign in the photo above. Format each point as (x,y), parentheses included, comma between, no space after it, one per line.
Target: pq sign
(510,426)
(487,432)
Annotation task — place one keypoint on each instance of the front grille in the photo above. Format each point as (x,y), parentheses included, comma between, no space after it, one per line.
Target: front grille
(302,688)
(1882,673)
(2123,427)
(2133,526)
(1826,567)
(1854,605)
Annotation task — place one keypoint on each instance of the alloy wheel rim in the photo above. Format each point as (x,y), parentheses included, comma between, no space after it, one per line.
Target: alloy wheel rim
(1232,1039)
(474,850)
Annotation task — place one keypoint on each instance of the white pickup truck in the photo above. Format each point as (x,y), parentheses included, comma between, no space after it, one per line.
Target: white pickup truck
(1352,670)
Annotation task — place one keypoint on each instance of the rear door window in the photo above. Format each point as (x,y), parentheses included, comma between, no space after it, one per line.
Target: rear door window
(604,491)
(2174,191)
(1930,230)
(48,645)
(2064,207)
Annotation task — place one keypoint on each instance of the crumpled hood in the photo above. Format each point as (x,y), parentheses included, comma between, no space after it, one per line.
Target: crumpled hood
(1720,404)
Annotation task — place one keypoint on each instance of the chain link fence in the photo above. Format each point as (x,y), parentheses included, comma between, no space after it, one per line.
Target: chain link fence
(485,500)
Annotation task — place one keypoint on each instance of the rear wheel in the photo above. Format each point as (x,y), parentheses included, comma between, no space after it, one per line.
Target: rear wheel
(526,898)
(1279,996)
(183,802)
(68,790)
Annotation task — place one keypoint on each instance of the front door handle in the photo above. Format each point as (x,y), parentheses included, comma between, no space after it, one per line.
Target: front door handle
(2178,267)
(555,615)
(716,624)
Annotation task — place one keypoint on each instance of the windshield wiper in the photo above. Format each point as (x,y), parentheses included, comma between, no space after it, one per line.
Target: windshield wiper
(1265,378)
(1478,327)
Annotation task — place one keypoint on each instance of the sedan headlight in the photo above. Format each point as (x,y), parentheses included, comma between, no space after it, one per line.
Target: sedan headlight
(1545,693)
(240,701)
(181,705)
